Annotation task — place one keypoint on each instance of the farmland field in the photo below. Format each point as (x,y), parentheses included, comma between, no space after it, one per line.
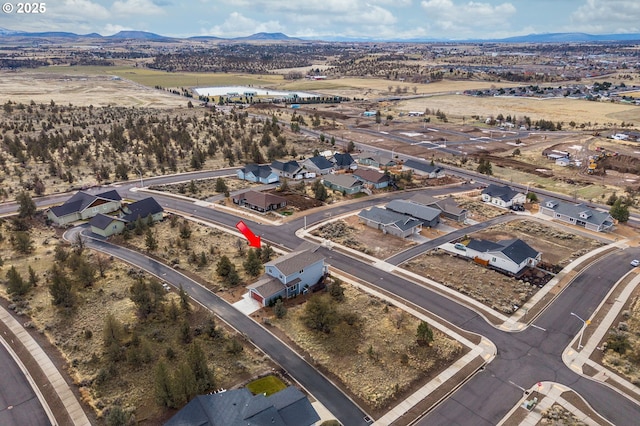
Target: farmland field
(565,110)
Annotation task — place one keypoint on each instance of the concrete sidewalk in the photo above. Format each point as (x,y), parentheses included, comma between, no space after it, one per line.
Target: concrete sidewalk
(548,394)
(69,400)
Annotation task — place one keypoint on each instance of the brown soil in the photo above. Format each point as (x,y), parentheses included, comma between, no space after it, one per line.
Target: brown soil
(367,357)
(353,234)
(77,334)
(493,288)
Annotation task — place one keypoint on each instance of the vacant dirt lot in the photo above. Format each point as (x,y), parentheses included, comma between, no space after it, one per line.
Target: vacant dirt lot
(376,357)
(493,288)
(353,234)
(479,210)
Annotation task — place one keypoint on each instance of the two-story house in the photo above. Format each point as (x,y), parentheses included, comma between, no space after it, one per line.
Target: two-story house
(288,276)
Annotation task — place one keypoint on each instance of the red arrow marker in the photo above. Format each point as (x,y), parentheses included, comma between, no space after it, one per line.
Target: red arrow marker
(254,240)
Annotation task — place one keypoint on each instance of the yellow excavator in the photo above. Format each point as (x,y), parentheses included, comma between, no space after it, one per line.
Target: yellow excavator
(601,155)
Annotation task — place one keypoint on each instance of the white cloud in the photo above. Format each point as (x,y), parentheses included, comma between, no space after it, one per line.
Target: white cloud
(110,29)
(81,8)
(136,7)
(472,18)
(238,25)
(608,15)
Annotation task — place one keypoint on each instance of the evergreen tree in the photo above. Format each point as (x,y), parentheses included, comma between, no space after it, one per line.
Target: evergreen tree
(26,206)
(16,285)
(424,333)
(336,290)
(201,371)
(184,300)
(252,264)
(162,386)
(150,241)
(620,210)
(279,310)
(61,289)
(223,267)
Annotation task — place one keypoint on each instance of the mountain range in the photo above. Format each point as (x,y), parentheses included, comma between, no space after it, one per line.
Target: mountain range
(148,36)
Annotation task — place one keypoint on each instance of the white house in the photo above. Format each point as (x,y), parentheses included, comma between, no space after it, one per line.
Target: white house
(511,256)
(502,196)
(577,214)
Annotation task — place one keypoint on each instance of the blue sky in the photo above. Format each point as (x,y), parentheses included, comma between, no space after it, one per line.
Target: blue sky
(381,19)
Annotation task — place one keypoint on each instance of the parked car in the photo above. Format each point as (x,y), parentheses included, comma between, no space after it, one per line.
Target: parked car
(635,262)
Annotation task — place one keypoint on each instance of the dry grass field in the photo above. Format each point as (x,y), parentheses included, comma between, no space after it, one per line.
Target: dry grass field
(563,110)
(78,333)
(376,357)
(490,287)
(64,86)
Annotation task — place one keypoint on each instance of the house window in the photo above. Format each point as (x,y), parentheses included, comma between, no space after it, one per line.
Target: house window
(493,259)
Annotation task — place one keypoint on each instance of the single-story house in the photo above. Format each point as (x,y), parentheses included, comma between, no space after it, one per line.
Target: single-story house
(106,225)
(502,196)
(259,173)
(577,214)
(318,164)
(390,222)
(345,183)
(377,161)
(289,275)
(429,216)
(145,208)
(82,206)
(344,161)
(424,169)
(289,407)
(511,256)
(373,178)
(564,162)
(290,169)
(448,206)
(260,201)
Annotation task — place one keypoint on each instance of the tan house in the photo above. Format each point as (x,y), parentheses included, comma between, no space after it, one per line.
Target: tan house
(83,206)
(106,226)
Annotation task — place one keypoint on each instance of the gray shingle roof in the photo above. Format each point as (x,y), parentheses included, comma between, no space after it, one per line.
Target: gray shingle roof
(343,160)
(267,286)
(258,170)
(81,200)
(413,209)
(515,249)
(505,193)
(102,221)
(595,217)
(371,176)
(239,407)
(389,218)
(288,167)
(320,162)
(259,199)
(422,166)
(143,208)
(295,261)
(345,181)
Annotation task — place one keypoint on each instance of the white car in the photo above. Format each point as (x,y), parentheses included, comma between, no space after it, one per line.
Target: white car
(635,262)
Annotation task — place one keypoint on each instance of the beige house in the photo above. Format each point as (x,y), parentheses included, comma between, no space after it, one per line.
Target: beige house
(106,226)
(83,206)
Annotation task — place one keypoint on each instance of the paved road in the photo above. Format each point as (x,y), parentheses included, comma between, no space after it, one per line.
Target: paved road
(19,404)
(536,355)
(319,386)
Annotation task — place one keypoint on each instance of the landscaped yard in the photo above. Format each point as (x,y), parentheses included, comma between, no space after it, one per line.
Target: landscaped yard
(267,385)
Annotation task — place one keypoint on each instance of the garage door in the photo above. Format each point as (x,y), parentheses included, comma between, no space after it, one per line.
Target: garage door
(257,297)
